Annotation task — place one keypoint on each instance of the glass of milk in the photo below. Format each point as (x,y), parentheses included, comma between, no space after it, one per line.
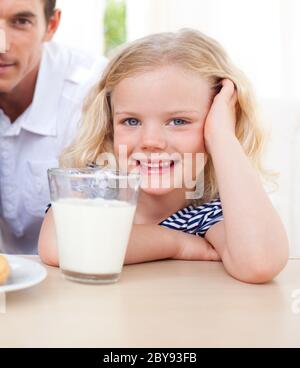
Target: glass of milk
(93,214)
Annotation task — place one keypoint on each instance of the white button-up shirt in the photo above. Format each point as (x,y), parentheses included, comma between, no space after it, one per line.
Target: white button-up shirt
(33,143)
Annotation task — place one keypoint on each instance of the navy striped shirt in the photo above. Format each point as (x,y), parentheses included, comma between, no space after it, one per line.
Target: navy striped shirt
(196,220)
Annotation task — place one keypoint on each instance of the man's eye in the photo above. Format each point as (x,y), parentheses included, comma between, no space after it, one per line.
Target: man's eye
(178,122)
(131,122)
(21,22)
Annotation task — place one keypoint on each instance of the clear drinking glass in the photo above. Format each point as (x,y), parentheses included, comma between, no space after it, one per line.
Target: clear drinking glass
(93,214)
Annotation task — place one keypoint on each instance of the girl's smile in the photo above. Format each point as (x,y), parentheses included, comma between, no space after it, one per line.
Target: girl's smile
(155,167)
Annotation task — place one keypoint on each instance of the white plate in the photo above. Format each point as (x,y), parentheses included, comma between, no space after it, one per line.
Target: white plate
(24,274)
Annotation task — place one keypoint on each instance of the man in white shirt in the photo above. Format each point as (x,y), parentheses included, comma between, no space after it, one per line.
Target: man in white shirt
(42,88)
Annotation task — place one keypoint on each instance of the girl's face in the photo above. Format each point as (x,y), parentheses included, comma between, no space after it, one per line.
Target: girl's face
(159,117)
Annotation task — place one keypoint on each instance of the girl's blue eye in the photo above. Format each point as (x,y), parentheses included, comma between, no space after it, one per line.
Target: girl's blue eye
(177,122)
(131,122)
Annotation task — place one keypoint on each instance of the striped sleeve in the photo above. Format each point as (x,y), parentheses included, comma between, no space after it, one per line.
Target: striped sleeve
(196,220)
(209,215)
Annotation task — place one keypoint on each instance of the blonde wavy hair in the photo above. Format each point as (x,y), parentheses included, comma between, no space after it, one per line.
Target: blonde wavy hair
(188,49)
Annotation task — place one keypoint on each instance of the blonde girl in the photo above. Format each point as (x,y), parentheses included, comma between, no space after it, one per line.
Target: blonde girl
(179,93)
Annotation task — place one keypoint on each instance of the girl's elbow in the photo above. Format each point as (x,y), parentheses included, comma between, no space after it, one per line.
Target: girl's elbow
(49,260)
(261,267)
(273,263)
(46,254)
(266,269)
(262,275)
(258,275)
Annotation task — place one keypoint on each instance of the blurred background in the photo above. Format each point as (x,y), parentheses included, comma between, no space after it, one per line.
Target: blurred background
(261,36)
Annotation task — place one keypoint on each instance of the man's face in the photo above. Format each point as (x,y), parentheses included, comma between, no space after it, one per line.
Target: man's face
(23,29)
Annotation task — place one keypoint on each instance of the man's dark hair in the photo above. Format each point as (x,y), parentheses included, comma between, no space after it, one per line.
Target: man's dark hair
(49,8)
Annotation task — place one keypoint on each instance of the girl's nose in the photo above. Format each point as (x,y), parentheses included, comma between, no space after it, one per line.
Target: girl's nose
(153,139)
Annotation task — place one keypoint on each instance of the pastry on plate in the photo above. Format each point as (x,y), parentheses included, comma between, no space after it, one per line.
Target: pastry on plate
(4,270)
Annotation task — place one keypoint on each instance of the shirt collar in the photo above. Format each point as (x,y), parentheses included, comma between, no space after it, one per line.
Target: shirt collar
(7,129)
(43,114)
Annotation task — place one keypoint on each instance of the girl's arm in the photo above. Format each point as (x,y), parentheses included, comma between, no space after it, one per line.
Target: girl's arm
(147,243)
(154,242)
(252,240)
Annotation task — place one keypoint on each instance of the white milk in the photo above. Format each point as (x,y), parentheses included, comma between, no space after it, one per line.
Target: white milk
(92,234)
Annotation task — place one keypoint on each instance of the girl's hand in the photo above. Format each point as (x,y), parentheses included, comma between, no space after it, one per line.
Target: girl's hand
(221,118)
(195,248)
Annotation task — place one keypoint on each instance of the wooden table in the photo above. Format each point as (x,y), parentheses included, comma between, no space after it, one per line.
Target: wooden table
(159,304)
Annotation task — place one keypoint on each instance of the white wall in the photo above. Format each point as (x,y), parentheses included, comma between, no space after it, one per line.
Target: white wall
(261,36)
(82,25)
(282,119)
